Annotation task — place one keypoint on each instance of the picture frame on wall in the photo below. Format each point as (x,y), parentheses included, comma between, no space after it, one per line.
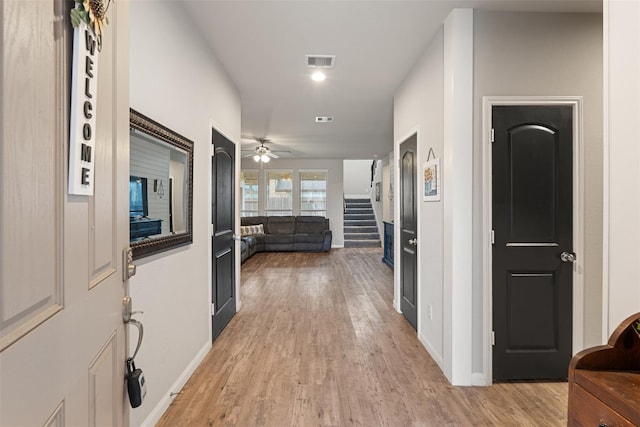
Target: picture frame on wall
(431,187)
(378,185)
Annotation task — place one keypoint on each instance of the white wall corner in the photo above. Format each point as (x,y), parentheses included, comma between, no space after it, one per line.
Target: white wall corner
(158,410)
(479,379)
(458,195)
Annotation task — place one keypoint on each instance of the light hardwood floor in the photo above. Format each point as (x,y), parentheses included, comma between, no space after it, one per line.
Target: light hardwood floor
(318,343)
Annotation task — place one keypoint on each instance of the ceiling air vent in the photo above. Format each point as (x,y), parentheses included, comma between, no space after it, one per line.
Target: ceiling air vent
(320,61)
(325,119)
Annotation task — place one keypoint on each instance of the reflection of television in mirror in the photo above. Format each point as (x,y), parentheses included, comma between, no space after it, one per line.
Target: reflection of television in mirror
(138,197)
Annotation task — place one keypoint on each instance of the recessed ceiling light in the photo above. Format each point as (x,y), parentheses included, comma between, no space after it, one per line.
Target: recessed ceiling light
(318,76)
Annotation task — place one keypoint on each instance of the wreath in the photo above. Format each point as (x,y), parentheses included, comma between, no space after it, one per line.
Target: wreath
(93,13)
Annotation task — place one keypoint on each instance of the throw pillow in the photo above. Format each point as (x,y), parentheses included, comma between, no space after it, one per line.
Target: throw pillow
(250,230)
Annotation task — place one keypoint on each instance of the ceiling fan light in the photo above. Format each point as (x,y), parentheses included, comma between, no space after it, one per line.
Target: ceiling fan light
(265,158)
(256,158)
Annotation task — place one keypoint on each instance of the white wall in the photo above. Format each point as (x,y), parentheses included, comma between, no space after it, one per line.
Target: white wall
(514,54)
(334,187)
(387,208)
(457,167)
(357,178)
(622,162)
(176,80)
(418,107)
(378,206)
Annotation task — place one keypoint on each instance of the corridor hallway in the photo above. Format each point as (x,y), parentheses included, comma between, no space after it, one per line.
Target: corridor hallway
(318,343)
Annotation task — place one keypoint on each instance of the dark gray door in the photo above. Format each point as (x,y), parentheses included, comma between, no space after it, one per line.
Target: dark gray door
(223,293)
(408,231)
(533,225)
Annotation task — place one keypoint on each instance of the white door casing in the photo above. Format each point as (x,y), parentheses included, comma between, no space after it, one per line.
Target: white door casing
(488,102)
(62,339)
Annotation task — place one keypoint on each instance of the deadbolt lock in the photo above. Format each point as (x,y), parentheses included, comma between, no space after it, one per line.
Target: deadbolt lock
(128,267)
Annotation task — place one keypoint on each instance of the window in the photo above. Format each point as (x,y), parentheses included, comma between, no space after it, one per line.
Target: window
(249,193)
(279,193)
(313,193)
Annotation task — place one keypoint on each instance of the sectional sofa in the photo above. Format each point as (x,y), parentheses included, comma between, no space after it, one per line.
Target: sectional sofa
(284,234)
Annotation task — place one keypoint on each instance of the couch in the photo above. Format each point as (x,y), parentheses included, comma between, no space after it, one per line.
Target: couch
(284,234)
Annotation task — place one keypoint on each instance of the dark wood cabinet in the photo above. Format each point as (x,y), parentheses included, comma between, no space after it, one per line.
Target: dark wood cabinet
(387,257)
(604,381)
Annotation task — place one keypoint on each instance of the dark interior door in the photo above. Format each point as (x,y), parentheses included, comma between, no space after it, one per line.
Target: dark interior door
(408,231)
(223,295)
(533,225)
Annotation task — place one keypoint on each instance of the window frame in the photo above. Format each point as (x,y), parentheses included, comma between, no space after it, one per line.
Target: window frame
(255,212)
(313,212)
(278,212)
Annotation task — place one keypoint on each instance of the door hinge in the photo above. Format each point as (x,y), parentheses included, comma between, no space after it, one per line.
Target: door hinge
(211,230)
(493,135)
(493,338)
(493,237)
(213,308)
(213,150)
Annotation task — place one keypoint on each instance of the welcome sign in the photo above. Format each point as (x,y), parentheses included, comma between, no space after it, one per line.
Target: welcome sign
(83,111)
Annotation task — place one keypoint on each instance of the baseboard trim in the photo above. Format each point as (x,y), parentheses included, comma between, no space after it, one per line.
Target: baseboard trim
(434,355)
(157,412)
(479,379)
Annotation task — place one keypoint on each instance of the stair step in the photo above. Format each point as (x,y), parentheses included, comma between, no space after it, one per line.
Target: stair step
(360,226)
(362,243)
(361,236)
(351,211)
(361,229)
(357,222)
(359,214)
(354,217)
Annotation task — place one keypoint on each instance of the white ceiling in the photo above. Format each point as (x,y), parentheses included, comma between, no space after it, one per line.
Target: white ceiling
(262,45)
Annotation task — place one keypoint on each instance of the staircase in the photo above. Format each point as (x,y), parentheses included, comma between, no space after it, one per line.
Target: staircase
(360,227)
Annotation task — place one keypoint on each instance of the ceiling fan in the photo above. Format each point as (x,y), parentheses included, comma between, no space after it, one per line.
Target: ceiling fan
(262,153)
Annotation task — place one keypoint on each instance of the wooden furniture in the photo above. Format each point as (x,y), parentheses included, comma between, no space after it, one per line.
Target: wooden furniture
(604,381)
(387,257)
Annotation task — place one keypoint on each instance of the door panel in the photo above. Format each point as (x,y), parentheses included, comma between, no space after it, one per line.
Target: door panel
(222,243)
(408,231)
(28,169)
(532,173)
(104,252)
(63,340)
(533,224)
(531,296)
(104,375)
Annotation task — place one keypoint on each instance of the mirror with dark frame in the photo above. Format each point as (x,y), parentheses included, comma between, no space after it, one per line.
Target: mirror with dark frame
(160,187)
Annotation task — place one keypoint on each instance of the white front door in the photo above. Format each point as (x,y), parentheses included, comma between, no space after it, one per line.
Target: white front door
(62,338)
